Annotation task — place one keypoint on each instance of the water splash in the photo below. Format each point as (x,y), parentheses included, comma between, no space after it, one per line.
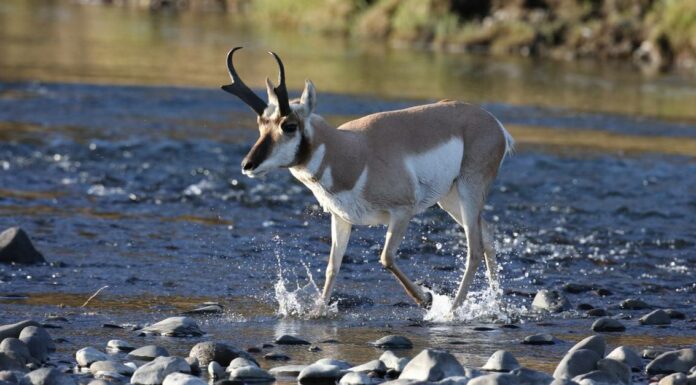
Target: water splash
(487,305)
(304,302)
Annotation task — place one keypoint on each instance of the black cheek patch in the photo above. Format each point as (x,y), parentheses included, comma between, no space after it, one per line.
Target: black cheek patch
(260,152)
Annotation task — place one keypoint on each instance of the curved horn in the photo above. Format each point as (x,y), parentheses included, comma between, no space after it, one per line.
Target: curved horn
(239,89)
(281,91)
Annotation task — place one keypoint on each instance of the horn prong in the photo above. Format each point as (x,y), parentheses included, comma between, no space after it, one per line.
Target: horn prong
(281,90)
(239,89)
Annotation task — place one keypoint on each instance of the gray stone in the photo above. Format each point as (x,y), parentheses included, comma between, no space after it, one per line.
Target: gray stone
(155,371)
(596,377)
(455,380)
(576,362)
(290,340)
(274,356)
(240,362)
(596,343)
(550,300)
(391,361)
(99,382)
(17,350)
(539,339)
(175,327)
(46,376)
(358,378)
(606,324)
(182,379)
(495,379)
(148,353)
(216,371)
(432,365)
(655,317)
(16,247)
(193,364)
(9,363)
(651,353)
(287,370)
(86,356)
(531,377)
(9,376)
(344,365)
(501,361)
(111,366)
(13,330)
(207,309)
(628,356)
(634,304)
(318,373)
(674,361)
(220,352)
(250,373)
(674,379)
(675,314)
(38,341)
(616,368)
(372,366)
(563,381)
(119,346)
(393,342)
(112,377)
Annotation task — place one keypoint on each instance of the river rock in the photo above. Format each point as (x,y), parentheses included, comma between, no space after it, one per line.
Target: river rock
(250,373)
(240,362)
(9,363)
(111,366)
(148,353)
(119,346)
(46,376)
(276,357)
(634,304)
(155,371)
(606,324)
(287,370)
(675,314)
(597,313)
(563,381)
(598,377)
(531,377)
(539,339)
(495,379)
(575,363)
(17,350)
(111,377)
(551,300)
(628,356)
(317,373)
(501,361)
(651,354)
(344,365)
(38,341)
(99,382)
(391,361)
(206,309)
(655,317)
(16,247)
(215,371)
(674,379)
(194,365)
(290,340)
(596,343)
(13,330)
(432,365)
(393,342)
(8,376)
(373,366)
(358,378)
(674,361)
(182,379)
(86,356)
(175,327)
(616,368)
(222,353)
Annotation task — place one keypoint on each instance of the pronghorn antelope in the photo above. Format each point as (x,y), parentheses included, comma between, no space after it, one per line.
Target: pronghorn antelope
(383,169)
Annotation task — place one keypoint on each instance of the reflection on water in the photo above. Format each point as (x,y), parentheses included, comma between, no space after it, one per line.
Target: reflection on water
(61,41)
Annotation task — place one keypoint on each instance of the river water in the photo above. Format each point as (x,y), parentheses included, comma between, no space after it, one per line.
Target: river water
(120,157)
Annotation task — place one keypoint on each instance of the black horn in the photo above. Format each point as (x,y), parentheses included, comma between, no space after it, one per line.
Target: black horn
(239,89)
(281,91)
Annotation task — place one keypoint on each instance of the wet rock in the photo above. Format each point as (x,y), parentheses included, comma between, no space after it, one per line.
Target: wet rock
(111,377)
(616,368)
(207,309)
(276,357)
(111,366)
(290,340)
(393,342)
(628,356)
(539,339)
(391,361)
(193,364)
(563,381)
(86,356)
(222,353)
(318,373)
(148,353)
(603,292)
(495,379)
(575,363)
(358,378)
(606,324)
(8,376)
(119,346)
(595,343)
(345,301)
(501,361)
(240,362)
(656,317)
(550,300)
(634,304)
(598,377)
(432,365)
(250,373)
(99,382)
(651,353)
(674,379)
(344,365)
(675,314)
(9,363)
(38,341)
(457,380)
(16,247)
(254,349)
(215,371)
(674,361)
(372,366)
(531,377)
(16,350)
(584,306)
(287,370)
(46,376)
(155,371)
(597,313)
(577,288)
(182,379)
(13,330)
(174,327)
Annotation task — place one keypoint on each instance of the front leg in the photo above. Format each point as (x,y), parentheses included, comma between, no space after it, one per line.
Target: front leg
(340,233)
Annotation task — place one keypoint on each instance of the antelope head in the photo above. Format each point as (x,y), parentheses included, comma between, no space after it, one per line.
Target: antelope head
(283,125)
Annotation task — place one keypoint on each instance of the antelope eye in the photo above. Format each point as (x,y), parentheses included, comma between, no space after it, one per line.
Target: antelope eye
(288,127)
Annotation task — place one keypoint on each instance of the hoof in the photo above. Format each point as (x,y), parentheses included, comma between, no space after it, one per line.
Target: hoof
(428,302)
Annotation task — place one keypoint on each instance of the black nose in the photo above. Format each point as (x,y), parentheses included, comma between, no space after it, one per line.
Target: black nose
(248,165)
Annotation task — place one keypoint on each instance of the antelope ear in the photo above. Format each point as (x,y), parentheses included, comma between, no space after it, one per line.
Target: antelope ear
(309,97)
(272,97)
